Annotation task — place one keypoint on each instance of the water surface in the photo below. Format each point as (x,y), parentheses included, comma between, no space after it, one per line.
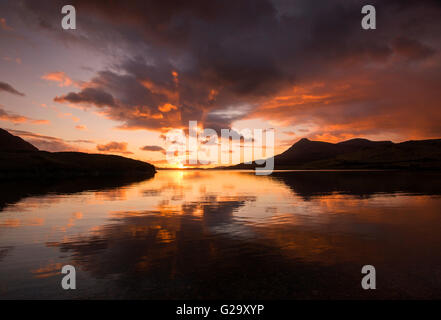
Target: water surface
(224,234)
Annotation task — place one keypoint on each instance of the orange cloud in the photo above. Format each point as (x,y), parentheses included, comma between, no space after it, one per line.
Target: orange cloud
(40,121)
(68,115)
(118,147)
(16,118)
(355,105)
(60,77)
(167,107)
(175,77)
(160,89)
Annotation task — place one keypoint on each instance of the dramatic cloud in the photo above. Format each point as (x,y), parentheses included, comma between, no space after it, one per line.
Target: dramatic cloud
(15,118)
(292,63)
(8,88)
(118,147)
(153,148)
(48,143)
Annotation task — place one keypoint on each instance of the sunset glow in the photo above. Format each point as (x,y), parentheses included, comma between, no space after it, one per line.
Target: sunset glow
(79,89)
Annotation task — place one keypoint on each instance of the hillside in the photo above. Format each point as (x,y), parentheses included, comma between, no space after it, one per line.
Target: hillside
(19,158)
(9,142)
(358,154)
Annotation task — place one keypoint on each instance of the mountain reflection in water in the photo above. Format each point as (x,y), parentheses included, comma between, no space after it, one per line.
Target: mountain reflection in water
(224,234)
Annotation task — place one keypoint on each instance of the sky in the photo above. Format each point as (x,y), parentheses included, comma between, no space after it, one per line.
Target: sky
(133,70)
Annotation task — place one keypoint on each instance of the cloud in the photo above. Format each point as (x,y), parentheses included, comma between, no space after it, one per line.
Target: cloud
(8,88)
(288,62)
(60,77)
(68,115)
(356,105)
(52,145)
(167,107)
(118,147)
(81,127)
(153,148)
(7,116)
(48,143)
(145,96)
(40,121)
(92,96)
(15,118)
(82,141)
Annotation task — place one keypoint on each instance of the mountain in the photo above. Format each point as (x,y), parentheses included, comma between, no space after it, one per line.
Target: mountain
(8,142)
(358,154)
(19,158)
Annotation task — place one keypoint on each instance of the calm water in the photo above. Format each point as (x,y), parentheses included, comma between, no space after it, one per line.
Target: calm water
(224,234)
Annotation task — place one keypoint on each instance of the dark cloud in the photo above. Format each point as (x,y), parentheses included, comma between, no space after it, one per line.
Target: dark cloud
(153,148)
(8,88)
(93,96)
(118,147)
(205,60)
(46,143)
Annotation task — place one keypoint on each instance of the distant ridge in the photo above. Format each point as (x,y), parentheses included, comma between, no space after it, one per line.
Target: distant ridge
(20,159)
(358,154)
(9,142)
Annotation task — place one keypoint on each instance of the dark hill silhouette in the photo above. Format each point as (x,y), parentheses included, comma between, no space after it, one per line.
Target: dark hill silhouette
(8,142)
(358,154)
(359,142)
(19,158)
